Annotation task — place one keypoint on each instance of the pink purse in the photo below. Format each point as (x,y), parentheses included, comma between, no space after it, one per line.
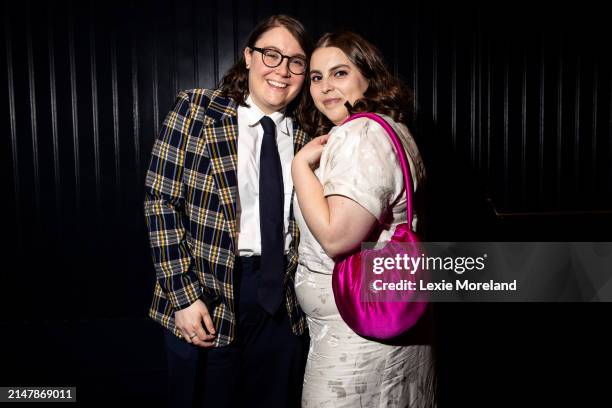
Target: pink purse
(363,305)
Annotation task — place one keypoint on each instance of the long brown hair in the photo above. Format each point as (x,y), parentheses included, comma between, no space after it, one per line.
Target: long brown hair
(235,82)
(385,93)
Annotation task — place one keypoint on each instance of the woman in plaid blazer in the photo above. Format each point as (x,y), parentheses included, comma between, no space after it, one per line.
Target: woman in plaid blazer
(224,332)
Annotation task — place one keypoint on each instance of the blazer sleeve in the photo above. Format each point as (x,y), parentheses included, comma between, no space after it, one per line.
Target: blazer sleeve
(165,205)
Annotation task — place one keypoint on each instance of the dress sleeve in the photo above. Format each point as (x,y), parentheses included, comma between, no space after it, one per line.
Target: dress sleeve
(362,165)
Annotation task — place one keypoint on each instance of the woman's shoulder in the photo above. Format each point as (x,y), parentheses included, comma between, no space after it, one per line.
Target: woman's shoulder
(361,124)
(204,96)
(357,129)
(200,92)
(358,140)
(369,131)
(365,125)
(369,136)
(209,102)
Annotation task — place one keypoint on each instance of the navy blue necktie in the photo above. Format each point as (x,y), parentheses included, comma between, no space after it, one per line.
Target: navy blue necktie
(271,212)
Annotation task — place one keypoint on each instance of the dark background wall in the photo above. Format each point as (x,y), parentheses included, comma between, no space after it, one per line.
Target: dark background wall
(514,120)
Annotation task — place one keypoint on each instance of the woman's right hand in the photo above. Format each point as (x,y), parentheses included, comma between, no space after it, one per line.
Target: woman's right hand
(311,152)
(189,322)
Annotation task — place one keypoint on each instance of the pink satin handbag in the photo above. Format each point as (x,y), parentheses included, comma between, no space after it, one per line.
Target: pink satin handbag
(363,305)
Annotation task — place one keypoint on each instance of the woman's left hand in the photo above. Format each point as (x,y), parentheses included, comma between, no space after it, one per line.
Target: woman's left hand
(311,152)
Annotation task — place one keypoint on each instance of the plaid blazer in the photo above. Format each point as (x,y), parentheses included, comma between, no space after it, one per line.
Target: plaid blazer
(190,210)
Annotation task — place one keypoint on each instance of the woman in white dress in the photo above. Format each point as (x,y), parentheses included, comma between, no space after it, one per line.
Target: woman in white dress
(349,188)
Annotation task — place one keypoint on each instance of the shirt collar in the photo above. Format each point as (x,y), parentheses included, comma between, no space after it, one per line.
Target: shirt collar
(253,115)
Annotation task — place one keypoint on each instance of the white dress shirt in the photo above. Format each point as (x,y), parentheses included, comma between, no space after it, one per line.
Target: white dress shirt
(250,135)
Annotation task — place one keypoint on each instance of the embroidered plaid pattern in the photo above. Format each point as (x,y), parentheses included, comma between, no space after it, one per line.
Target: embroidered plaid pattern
(190,210)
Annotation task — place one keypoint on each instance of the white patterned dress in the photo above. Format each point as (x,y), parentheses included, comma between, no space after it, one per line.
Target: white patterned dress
(344,369)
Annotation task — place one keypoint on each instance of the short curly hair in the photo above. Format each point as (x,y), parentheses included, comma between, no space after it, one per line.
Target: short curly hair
(385,93)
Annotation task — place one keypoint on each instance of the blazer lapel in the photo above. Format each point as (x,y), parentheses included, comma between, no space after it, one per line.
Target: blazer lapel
(300,138)
(221,135)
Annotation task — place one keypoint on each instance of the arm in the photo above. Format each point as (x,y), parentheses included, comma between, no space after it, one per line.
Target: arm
(164,206)
(338,223)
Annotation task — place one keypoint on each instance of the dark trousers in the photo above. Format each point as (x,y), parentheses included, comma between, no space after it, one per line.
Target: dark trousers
(263,367)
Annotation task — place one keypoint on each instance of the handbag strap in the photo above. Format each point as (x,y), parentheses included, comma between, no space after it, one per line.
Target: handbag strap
(400,154)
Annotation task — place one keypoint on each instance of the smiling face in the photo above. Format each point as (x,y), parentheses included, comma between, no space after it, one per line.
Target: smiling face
(272,89)
(334,79)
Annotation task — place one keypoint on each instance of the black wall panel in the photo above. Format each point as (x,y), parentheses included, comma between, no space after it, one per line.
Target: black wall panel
(514,117)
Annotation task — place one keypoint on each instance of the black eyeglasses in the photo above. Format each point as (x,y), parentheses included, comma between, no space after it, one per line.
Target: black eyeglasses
(272,58)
